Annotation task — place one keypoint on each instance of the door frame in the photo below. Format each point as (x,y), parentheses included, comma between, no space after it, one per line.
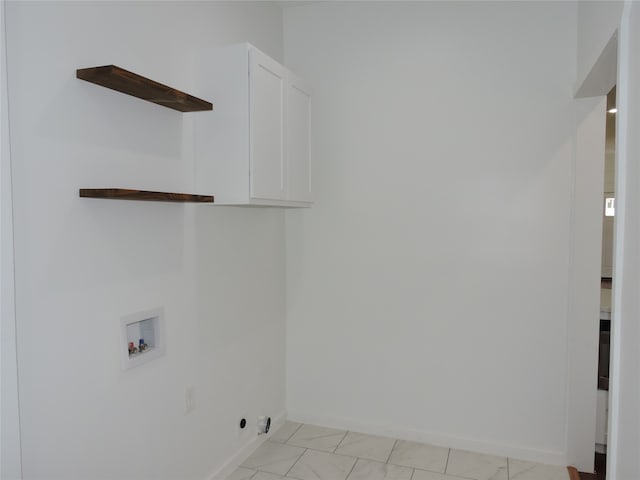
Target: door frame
(583,317)
(624,391)
(616,66)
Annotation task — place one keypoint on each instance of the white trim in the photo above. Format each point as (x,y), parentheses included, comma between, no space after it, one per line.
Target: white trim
(433,438)
(619,250)
(583,306)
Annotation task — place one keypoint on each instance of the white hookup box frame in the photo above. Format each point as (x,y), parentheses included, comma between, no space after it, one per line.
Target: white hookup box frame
(147,325)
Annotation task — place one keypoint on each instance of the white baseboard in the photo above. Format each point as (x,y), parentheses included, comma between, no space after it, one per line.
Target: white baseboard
(372,428)
(243,453)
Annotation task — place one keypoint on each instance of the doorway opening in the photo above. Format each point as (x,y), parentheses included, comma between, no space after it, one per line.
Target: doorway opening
(606,276)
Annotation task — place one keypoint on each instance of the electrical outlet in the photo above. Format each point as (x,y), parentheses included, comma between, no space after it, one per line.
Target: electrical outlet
(190,399)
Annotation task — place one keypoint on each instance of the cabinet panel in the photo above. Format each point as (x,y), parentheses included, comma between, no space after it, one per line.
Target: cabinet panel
(267,90)
(298,140)
(253,149)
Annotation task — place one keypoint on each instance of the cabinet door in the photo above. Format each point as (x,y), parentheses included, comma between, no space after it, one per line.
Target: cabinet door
(298,139)
(267,128)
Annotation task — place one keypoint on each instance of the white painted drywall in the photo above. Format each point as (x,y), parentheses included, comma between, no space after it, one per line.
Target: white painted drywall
(597,23)
(427,290)
(10,468)
(82,264)
(624,424)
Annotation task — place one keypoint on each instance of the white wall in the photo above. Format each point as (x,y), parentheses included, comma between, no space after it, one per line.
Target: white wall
(597,23)
(82,264)
(427,290)
(10,467)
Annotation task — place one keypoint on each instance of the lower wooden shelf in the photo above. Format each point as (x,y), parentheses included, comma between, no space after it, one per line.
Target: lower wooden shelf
(144,195)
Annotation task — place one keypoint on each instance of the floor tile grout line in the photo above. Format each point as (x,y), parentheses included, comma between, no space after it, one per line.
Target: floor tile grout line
(296,478)
(464,478)
(325,452)
(294,463)
(258,469)
(391,452)
(322,436)
(294,432)
(352,467)
(328,453)
(341,440)
(446,465)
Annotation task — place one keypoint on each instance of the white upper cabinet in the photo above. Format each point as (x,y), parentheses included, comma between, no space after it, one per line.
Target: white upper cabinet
(254,147)
(267,89)
(298,137)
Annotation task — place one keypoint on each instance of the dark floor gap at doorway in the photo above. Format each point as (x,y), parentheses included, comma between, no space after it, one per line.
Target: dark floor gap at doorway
(600,469)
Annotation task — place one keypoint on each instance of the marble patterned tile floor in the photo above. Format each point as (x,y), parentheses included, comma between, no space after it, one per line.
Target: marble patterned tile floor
(310,452)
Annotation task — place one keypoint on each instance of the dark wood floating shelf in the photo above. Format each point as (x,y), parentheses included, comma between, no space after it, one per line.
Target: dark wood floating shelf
(116,78)
(126,194)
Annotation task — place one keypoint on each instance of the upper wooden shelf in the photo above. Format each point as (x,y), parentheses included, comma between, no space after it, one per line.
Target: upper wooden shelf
(127,194)
(116,78)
